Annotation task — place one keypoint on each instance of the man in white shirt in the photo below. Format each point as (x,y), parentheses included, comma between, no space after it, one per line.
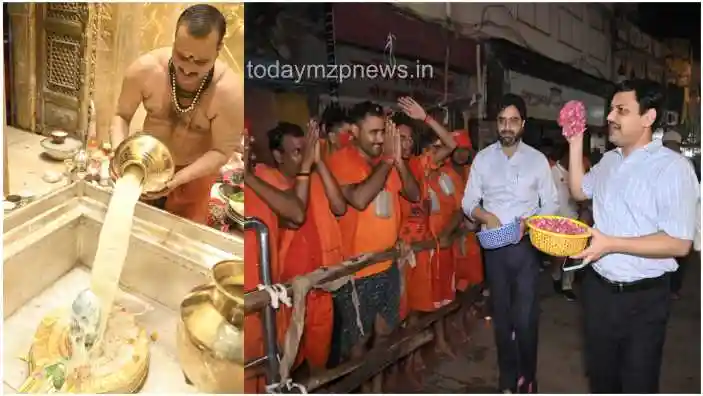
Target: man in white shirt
(510,180)
(644,202)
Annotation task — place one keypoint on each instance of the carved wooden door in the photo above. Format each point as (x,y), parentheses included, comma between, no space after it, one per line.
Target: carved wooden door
(62,67)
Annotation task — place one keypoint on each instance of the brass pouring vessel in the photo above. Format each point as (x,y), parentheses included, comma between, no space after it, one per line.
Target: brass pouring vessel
(210,336)
(150,155)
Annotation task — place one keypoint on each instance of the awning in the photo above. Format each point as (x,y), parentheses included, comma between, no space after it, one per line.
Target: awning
(522,60)
(371,23)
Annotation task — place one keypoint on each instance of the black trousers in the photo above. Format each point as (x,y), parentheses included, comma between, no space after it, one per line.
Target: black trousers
(624,335)
(512,274)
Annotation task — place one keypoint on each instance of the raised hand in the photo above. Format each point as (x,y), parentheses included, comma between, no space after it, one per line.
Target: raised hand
(573,139)
(412,108)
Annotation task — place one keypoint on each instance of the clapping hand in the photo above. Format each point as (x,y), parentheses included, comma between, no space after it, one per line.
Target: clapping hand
(392,145)
(311,155)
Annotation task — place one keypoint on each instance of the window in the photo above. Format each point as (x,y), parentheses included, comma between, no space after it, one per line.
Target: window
(543,20)
(570,30)
(566,21)
(526,13)
(575,9)
(597,45)
(535,15)
(577,35)
(595,18)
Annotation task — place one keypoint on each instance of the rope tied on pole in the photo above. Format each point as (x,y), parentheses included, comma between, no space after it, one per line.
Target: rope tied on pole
(287,386)
(301,286)
(327,279)
(278,293)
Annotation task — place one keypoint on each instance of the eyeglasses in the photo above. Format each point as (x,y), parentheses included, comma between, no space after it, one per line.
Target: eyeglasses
(512,121)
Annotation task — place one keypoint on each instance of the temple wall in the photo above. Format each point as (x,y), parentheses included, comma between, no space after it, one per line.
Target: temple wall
(24,85)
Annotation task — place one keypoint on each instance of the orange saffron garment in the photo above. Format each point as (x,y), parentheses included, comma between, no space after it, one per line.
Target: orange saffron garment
(256,207)
(416,228)
(369,230)
(315,244)
(467,254)
(445,198)
(192,200)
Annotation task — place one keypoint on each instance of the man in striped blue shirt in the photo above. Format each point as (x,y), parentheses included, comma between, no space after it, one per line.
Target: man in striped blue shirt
(644,201)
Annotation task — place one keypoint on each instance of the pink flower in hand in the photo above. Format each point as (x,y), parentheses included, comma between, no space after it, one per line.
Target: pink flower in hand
(572,118)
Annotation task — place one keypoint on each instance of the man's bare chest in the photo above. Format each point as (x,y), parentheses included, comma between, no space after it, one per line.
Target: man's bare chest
(161,109)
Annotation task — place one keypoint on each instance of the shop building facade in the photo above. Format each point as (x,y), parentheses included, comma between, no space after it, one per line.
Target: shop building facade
(417,45)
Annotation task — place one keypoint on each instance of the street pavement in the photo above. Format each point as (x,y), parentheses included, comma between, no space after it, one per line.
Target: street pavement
(560,365)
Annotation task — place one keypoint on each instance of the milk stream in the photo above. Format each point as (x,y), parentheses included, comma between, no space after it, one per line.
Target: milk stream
(113,244)
(112,348)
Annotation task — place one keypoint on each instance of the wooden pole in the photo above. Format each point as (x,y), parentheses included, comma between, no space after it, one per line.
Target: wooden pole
(401,344)
(257,300)
(374,362)
(359,371)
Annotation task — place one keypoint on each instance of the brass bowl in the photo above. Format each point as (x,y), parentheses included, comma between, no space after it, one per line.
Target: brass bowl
(210,349)
(150,155)
(61,151)
(210,334)
(228,295)
(59,137)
